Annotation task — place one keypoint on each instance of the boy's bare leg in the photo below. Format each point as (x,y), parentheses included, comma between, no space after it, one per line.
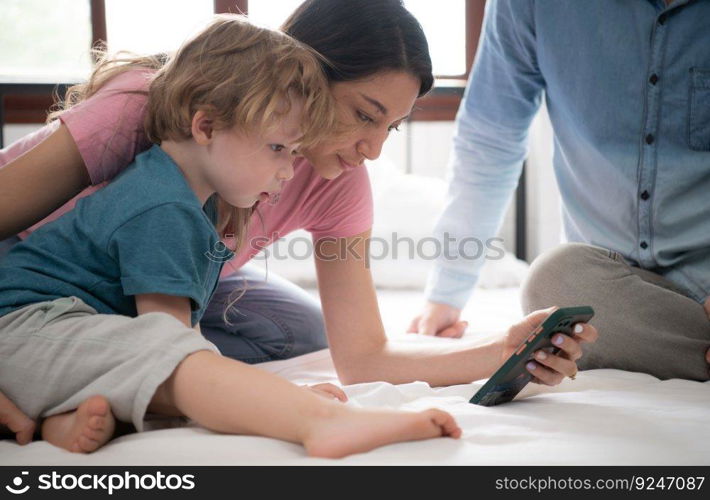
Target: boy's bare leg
(232,397)
(83,430)
(19,424)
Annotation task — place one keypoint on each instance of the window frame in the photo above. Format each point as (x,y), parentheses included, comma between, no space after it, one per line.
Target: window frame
(440,104)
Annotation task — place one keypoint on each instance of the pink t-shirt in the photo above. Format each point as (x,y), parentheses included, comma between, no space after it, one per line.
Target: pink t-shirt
(108,131)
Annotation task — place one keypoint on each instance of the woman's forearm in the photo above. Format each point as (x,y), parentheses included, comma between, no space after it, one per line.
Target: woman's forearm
(40,181)
(358,344)
(402,362)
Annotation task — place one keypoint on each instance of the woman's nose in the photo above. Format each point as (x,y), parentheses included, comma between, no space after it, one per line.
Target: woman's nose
(371,145)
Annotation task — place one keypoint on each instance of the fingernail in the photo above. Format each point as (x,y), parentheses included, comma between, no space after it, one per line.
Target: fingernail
(540,355)
(558,340)
(531,366)
(578,328)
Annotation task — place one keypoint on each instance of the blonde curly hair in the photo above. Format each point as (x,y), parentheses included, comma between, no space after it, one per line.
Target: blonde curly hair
(238,73)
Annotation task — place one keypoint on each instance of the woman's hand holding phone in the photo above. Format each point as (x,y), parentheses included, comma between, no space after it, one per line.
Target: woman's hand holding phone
(552,368)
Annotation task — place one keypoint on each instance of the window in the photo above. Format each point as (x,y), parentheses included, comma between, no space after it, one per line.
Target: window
(444,24)
(43,40)
(150,27)
(271,13)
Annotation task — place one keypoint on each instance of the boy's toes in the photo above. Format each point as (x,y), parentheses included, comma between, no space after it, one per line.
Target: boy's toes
(83,430)
(84,444)
(26,432)
(99,426)
(97,406)
(97,423)
(94,434)
(87,445)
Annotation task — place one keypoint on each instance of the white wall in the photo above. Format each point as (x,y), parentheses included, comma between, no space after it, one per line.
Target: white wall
(430,144)
(14,132)
(544,211)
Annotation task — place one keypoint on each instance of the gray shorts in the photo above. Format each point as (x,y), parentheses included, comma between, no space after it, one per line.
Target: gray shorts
(56,354)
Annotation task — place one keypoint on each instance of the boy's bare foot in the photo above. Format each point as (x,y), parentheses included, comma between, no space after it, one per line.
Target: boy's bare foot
(83,430)
(353,430)
(17,422)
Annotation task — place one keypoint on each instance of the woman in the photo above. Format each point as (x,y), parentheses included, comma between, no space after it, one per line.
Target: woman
(380,65)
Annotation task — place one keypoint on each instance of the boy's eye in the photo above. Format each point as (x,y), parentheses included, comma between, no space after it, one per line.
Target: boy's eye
(277,148)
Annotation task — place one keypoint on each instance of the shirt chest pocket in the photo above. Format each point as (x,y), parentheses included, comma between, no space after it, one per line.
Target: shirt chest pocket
(699,110)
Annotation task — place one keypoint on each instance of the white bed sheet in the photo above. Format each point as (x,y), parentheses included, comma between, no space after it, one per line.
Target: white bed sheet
(604,417)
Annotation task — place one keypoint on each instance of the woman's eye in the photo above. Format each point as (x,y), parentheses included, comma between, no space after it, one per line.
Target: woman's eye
(394,127)
(276,148)
(363,117)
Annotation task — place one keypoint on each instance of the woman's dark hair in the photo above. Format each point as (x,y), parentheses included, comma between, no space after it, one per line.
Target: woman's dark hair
(363,37)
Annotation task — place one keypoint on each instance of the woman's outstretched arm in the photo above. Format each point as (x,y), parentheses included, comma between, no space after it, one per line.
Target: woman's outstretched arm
(362,353)
(37,183)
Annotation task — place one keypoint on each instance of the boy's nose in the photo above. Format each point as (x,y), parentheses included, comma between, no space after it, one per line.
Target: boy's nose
(287,172)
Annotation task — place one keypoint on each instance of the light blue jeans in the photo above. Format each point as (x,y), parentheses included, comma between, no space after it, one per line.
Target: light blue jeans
(275,319)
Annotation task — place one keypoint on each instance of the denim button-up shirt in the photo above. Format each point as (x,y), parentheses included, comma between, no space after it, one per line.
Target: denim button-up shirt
(627,88)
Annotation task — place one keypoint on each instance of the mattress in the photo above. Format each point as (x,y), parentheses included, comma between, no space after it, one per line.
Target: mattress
(604,417)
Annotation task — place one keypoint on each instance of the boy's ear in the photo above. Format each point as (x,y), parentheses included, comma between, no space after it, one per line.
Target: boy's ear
(202,128)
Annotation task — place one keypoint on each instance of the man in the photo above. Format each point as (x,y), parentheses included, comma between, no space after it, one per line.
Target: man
(627,87)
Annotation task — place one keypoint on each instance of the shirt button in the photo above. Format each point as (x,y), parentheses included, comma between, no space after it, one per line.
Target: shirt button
(653,79)
(650,139)
(644,245)
(645,196)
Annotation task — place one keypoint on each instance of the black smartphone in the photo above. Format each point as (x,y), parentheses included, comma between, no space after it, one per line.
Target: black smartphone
(510,378)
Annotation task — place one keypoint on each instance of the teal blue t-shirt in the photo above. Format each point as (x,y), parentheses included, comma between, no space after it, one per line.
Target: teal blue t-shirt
(146,232)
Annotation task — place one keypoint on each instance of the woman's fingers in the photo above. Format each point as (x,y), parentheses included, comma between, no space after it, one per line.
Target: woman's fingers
(550,368)
(585,332)
(543,374)
(568,346)
(563,366)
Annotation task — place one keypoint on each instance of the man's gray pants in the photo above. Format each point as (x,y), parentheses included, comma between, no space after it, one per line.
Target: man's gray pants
(645,322)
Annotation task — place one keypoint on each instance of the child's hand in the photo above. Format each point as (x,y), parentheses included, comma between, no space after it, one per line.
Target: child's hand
(328,391)
(16,421)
